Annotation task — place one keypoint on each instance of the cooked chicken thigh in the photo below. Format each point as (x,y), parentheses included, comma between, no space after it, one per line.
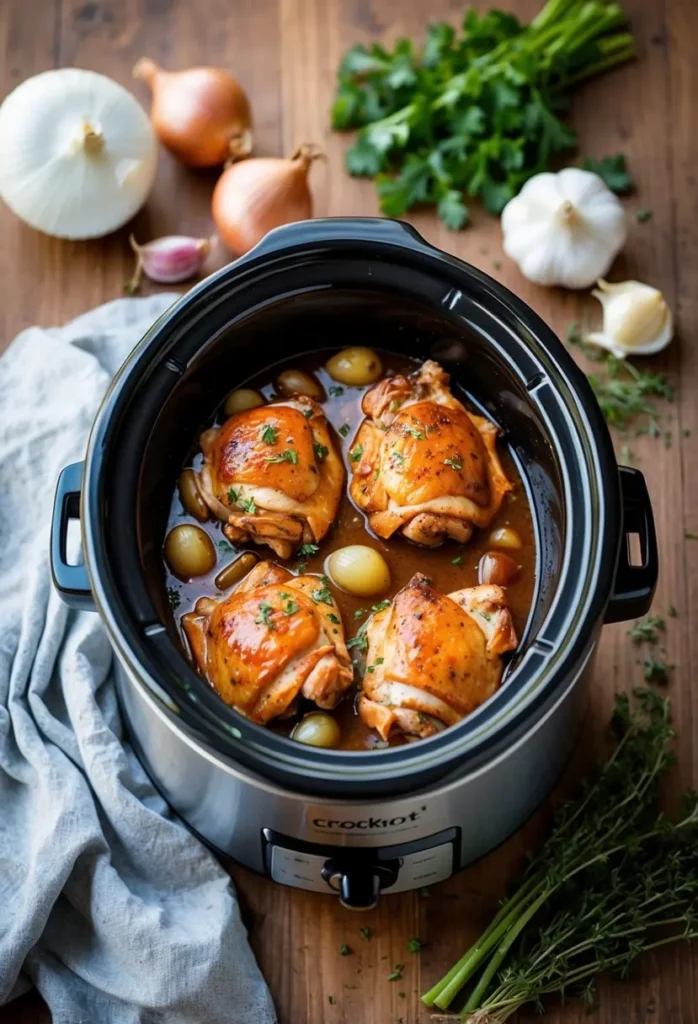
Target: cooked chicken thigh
(433,658)
(274,638)
(273,475)
(422,463)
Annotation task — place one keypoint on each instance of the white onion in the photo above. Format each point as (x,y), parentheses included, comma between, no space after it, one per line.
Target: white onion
(77,153)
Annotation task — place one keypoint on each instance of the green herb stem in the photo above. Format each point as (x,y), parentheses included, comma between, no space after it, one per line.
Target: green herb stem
(502,950)
(445,990)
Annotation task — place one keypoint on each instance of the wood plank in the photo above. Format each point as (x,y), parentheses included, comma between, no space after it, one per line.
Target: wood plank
(286,54)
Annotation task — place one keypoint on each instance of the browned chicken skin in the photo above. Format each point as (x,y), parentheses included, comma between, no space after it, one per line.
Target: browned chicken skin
(422,463)
(273,475)
(433,658)
(273,639)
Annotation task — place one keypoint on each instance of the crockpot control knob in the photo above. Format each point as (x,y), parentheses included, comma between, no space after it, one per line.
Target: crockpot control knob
(359,885)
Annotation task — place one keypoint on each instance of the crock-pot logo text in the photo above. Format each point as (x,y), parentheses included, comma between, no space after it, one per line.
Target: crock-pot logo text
(350,824)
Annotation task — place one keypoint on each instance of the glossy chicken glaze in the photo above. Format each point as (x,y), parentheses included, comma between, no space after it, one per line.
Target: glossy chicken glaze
(451,567)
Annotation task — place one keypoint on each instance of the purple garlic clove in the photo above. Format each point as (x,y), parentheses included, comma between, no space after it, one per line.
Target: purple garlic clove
(168,260)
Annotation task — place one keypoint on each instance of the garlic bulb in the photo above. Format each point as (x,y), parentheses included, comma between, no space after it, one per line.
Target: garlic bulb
(564,228)
(77,153)
(636,319)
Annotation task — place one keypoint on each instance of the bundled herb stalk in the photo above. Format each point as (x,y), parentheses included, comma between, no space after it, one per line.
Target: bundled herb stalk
(615,878)
(474,115)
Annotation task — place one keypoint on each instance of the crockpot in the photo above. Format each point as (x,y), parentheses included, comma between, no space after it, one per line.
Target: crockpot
(404,817)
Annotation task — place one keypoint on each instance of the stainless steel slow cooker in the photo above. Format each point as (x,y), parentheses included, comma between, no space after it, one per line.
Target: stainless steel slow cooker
(404,817)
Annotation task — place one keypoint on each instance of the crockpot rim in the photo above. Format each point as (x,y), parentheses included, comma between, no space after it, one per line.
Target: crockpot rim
(401,242)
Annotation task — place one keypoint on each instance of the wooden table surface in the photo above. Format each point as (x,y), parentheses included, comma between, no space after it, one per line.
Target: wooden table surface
(285,52)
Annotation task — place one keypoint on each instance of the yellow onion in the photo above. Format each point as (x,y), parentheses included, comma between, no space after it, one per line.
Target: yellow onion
(201,114)
(256,195)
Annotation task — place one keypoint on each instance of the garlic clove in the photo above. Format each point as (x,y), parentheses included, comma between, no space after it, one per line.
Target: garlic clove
(636,319)
(168,260)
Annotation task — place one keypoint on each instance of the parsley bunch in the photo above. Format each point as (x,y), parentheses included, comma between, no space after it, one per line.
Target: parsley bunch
(476,114)
(615,878)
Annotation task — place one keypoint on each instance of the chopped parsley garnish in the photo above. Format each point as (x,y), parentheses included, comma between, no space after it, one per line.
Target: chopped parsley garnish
(290,608)
(457,560)
(418,435)
(321,451)
(398,458)
(381,605)
(356,452)
(269,433)
(308,549)
(345,950)
(265,613)
(344,429)
(414,944)
(331,1000)
(233,496)
(455,463)
(672,612)
(643,215)
(359,613)
(372,668)
(360,641)
(333,618)
(301,567)
(396,974)
(335,390)
(307,413)
(284,596)
(174,597)
(365,933)
(646,631)
(323,595)
(248,505)
(289,455)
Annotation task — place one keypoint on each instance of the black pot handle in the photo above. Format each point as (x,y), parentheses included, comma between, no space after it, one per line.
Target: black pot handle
(329,229)
(71,581)
(634,584)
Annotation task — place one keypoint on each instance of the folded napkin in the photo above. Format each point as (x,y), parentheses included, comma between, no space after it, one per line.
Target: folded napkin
(107,904)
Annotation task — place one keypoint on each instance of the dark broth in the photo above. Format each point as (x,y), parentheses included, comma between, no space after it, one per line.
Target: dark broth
(450,567)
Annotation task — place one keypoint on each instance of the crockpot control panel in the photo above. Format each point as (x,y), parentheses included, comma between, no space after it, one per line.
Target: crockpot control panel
(360,874)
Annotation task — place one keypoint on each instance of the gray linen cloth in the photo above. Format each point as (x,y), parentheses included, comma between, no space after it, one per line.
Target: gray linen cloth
(107,904)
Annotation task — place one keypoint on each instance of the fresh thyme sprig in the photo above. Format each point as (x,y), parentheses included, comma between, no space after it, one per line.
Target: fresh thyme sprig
(625,392)
(570,884)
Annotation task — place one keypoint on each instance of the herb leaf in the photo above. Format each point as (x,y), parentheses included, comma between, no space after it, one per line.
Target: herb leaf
(289,455)
(646,631)
(305,550)
(455,463)
(612,170)
(356,453)
(264,616)
(248,505)
(269,433)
